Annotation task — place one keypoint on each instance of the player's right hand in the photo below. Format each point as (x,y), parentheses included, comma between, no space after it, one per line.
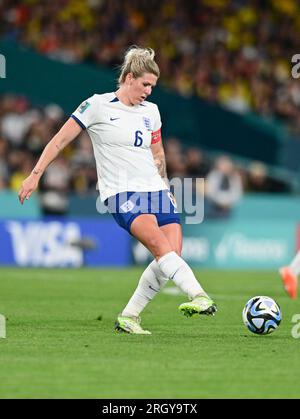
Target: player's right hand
(29,185)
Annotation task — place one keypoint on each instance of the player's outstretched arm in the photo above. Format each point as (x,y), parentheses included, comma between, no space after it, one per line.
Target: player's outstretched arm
(65,135)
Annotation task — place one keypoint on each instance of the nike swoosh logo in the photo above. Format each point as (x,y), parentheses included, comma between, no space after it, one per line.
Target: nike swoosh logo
(153,289)
(114,119)
(172,277)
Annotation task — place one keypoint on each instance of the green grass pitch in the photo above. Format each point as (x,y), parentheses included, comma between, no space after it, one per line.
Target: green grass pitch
(61,344)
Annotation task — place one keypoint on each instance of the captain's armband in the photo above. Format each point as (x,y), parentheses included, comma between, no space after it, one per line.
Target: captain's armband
(156,136)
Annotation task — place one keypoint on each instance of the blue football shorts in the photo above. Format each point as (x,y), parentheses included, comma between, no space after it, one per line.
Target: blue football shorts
(126,206)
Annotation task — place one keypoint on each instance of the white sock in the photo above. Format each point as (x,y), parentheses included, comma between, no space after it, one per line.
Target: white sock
(175,268)
(295,264)
(150,283)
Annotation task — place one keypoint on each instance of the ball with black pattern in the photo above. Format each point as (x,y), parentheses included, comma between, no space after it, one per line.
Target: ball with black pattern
(262,315)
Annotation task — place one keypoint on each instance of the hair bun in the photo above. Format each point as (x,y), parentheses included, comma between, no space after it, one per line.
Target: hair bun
(134,52)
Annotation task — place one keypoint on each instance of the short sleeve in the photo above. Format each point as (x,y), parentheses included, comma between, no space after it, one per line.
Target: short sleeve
(156,120)
(86,113)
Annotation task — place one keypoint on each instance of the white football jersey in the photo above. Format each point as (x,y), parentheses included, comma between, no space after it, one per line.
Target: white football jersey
(121,138)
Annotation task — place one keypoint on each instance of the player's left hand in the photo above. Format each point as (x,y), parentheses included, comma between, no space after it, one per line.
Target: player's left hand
(29,185)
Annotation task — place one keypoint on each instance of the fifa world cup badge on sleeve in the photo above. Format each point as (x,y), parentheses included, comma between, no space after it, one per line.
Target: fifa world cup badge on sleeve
(83,107)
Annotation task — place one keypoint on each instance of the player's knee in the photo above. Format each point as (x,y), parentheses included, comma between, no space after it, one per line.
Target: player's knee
(158,246)
(177,248)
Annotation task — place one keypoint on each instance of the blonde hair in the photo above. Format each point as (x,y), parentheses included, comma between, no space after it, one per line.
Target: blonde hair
(138,61)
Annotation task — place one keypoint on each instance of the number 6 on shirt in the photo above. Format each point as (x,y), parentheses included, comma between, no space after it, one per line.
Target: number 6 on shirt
(138,138)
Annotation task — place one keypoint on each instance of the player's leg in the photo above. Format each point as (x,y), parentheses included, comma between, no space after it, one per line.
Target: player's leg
(151,282)
(289,276)
(172,266)
(152,279)
(163,243)
(173,233)
(201,302)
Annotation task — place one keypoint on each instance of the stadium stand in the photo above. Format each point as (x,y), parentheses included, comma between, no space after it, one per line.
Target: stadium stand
(237,53)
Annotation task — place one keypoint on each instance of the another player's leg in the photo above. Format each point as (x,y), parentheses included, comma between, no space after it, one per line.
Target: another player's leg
(289,276)
(200,302)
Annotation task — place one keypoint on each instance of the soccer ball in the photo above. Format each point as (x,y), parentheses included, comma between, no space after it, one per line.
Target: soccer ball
(261,315)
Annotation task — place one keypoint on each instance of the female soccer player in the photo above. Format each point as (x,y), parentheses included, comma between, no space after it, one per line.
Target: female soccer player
(125,131)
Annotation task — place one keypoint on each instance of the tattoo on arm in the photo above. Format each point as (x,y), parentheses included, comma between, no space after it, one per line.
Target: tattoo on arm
(161,166)
(160,163)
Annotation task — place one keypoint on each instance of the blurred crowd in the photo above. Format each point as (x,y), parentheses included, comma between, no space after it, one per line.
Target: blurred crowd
(25,130)
(233,52)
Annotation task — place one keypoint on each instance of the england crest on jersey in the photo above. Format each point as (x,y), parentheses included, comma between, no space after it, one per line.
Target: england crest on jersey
(147,123)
